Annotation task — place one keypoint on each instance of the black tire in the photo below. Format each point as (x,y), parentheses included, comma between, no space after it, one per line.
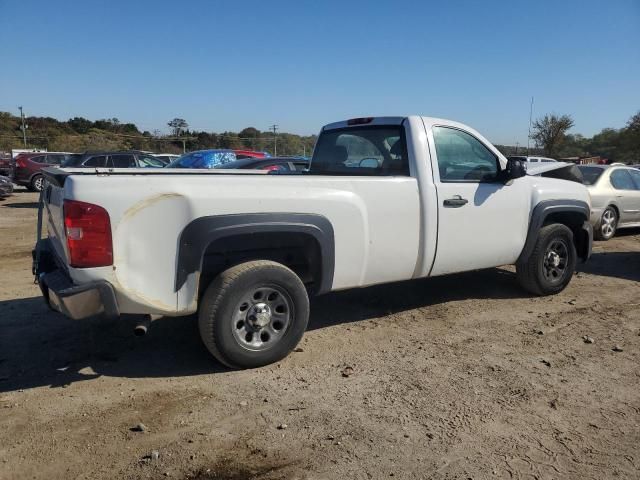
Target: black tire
(221,313)
(536,274)
(36,183)
(608,225)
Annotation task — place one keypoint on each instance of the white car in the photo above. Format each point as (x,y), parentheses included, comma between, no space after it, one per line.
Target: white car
(533,159)
(385,199)
(615,197)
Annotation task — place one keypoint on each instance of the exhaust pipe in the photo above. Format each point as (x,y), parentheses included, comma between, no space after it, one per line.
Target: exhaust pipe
(140,330)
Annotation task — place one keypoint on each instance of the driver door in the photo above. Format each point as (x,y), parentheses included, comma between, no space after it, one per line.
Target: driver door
(482,222)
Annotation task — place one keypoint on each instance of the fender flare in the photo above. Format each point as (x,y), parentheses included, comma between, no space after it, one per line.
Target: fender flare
(201,232)
(547,207)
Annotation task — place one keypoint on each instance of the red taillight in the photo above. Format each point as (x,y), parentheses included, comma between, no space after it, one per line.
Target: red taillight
(88,232)
(271,168)
(20,163)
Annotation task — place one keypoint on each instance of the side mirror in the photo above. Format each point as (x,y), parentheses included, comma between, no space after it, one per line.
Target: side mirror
(515,169)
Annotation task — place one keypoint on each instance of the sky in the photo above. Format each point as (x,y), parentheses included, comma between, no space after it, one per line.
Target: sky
(225,65)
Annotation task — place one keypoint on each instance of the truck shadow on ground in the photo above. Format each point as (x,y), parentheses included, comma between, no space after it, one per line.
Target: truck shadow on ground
(39,347)
(623,265)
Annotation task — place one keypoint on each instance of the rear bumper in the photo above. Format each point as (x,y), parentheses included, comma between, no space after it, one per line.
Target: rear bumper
(75,301)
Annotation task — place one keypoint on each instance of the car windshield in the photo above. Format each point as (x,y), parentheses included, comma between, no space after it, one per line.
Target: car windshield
(590,174)
(203,160)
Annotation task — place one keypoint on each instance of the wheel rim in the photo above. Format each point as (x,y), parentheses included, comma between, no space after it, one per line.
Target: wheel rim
(262,317)
(608,226)
(556,259)
(38,183)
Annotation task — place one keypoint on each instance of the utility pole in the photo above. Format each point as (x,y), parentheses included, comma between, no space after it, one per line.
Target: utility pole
(530,119)
(274,127)
(517,145)
(24,128)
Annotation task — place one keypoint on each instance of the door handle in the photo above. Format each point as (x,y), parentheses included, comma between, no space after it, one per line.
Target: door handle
(455,202)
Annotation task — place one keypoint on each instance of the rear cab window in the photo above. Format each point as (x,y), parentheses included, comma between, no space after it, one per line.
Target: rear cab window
(378,150)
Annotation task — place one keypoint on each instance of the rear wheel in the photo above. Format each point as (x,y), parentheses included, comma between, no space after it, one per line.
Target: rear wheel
(608,224)
(551,265)
(253,314)
(37,183)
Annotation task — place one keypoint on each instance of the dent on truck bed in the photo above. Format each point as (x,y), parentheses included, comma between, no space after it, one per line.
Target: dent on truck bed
(145,279)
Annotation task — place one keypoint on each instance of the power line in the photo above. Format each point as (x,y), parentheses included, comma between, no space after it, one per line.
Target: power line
(24,128)
(530,118)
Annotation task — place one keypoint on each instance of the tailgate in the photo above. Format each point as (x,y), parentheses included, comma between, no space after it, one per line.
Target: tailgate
(51,204)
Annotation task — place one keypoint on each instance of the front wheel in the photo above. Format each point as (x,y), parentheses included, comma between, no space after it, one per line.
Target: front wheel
(253,314)
(551,265)
(608,224)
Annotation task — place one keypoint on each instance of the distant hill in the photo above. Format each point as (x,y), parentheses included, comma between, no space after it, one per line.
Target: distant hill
(79,134)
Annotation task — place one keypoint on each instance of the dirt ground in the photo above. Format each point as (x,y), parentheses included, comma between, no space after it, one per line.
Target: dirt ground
(453,378)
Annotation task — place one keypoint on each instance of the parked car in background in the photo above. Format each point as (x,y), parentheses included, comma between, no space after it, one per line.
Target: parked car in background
(5,164)
(615,198)
(204,159)
(6,186)
(26,169)
(240,154)
(117,159)
(532,159)
(166,158)
(278,164)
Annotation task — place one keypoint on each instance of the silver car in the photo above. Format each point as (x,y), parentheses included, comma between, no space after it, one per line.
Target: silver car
(615,198)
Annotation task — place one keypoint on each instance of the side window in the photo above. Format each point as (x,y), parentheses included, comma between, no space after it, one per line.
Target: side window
(621,180)
(122,161)
(97,161)
(149,161)
(55,159)
(635,174)
(39,159)
(462,157)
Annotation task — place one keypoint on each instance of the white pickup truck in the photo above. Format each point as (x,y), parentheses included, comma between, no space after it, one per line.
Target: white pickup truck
(385,199)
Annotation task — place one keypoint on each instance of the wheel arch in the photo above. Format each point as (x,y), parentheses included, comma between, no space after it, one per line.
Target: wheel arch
(572,213)
(303,242)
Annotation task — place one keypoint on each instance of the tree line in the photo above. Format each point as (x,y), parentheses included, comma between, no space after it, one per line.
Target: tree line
(550,135)
(79,134)
(551,139)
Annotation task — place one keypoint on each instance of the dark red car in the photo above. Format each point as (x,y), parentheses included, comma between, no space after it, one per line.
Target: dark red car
(27,166)
(242,154)
(5,165)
